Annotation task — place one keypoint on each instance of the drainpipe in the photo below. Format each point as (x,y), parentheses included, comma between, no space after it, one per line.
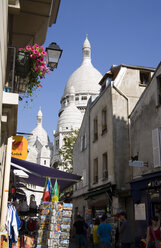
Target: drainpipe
(5,187)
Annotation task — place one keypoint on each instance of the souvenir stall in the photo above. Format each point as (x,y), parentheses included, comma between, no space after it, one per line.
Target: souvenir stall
(25,227)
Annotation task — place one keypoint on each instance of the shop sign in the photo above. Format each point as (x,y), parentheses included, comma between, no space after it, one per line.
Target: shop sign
(19,147)
(155,183)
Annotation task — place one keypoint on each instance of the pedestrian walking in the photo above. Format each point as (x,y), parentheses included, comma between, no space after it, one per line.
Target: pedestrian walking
(124,227)
(104,232)
(153,239)
(94,233)
(79,232)
(86,227)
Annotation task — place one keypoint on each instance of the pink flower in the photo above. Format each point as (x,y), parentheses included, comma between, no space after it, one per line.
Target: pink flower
(40,86)
(33,49)
(36,45)
(41,47)
(36,69)
(31,55)
(28,48)
(41,60)
(20,48)
(44,53)
(36,52)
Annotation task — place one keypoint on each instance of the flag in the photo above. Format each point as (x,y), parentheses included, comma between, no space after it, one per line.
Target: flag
(55,193)
(47,191)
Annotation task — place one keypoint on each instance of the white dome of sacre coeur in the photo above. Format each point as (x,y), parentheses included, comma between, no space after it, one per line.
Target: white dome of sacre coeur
(85,79)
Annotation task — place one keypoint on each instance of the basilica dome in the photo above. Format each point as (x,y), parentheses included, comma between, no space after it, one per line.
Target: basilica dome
(85,79)
(39,133)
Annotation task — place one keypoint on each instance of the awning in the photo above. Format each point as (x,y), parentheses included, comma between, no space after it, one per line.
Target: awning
(38,174)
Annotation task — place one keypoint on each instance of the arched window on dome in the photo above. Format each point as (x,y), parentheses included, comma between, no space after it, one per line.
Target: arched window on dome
(84,98)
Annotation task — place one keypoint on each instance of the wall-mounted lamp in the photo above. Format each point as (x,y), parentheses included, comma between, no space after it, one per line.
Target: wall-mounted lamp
(53,55)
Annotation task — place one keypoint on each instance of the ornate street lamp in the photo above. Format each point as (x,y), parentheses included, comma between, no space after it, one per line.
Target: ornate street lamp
(53,55)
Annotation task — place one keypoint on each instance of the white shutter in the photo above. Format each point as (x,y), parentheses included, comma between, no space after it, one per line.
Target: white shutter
(156,147)
(85,140)
(81,147)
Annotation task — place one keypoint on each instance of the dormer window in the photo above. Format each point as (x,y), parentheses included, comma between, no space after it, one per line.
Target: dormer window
(144,78)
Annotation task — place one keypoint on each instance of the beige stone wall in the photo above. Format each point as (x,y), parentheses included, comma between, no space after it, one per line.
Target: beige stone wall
(145,118)
(81,157)
(105,141)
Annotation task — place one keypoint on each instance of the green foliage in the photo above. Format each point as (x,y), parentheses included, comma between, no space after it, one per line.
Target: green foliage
(66,151)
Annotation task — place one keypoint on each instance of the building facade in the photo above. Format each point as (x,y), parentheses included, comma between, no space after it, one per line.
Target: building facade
(109,148)
(146,153)
(14,15)
(81,85)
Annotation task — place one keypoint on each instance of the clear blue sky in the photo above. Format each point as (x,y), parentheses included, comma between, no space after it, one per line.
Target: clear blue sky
(120,32)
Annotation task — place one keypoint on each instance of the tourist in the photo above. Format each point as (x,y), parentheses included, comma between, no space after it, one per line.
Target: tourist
(124,231)
(79,232)
(104,232)
(153,234)
(95,236)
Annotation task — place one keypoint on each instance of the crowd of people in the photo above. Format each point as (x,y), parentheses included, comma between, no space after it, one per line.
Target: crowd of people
(101,233)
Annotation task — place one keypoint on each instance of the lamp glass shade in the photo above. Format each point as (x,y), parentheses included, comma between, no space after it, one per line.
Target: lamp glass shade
(53,55)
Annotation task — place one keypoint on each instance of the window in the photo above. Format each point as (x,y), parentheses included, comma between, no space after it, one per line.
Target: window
(95,129)
(105,165)
(57,144)
(77,98)
(144,77)
(83,142)
(159,89)
(44,162)
(84,98)
(95,171)
(104,121)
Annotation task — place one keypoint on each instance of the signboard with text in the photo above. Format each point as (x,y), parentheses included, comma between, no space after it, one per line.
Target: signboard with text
(19,147)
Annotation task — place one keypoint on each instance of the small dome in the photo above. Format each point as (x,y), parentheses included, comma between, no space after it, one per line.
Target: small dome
(39,133)
(71,118)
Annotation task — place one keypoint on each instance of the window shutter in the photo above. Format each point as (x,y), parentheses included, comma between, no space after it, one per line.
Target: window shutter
(156,147)
(81,144)
(84,177)
(85,140)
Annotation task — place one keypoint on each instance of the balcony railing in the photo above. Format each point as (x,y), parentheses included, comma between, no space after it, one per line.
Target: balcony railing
(17,71)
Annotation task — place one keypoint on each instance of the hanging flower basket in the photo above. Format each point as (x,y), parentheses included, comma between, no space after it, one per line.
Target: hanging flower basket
(30,68)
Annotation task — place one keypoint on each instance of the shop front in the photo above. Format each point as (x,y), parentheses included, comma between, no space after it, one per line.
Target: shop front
(146,195)
(100,200)
(29,219)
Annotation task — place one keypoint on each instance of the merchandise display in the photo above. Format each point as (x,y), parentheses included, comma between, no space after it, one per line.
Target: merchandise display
(55,224)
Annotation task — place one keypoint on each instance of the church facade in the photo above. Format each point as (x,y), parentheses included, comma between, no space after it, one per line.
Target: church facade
(39,152)
(81,85)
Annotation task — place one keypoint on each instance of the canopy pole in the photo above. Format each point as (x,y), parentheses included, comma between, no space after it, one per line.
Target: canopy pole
(5,188)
